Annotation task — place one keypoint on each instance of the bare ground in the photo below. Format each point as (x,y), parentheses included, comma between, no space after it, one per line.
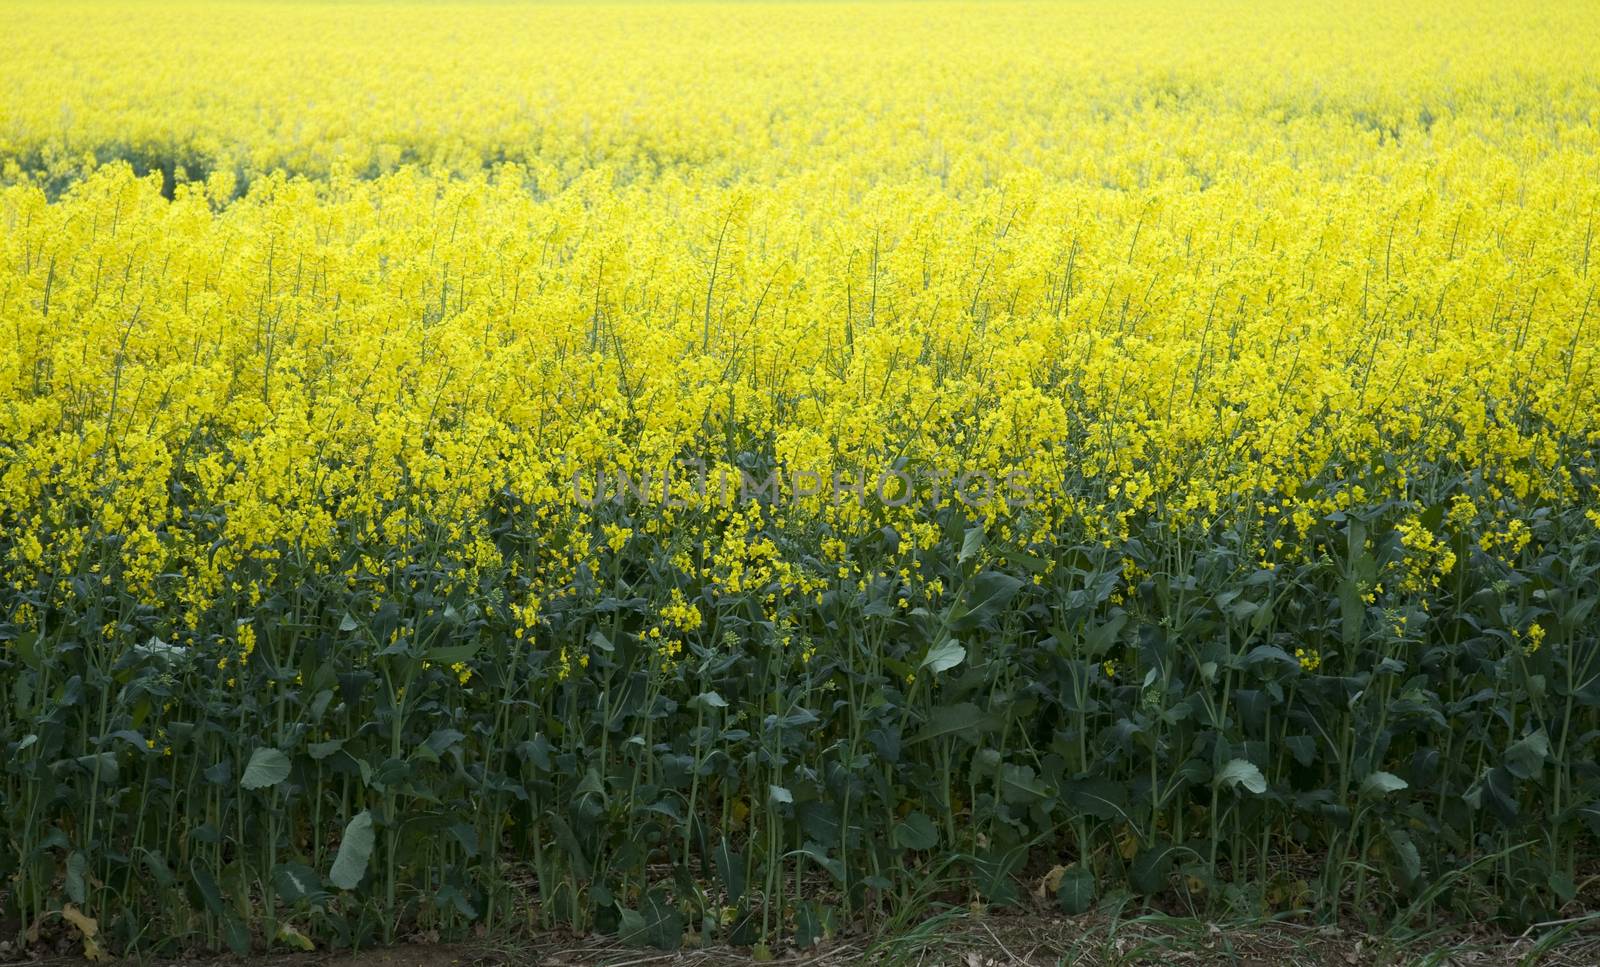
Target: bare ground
(958,939)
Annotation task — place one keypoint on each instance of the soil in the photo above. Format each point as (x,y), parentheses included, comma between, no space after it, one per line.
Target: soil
(973,941)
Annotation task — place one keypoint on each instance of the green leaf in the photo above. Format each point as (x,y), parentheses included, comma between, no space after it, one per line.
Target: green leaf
(708,700)
(449,896)
(210,894)
(820,856)
(659,924)
(986,597)
(466,836)
(945,656)
(1076,893)
(158,870)
(962,717)
(1562,886)
(101,764)
(730,870)
(27,647)
(77,866)
(808,925)
(321,750)
(355,852)
(1270,655)
(1242,772)
(1019,784)
(568,841)
(994,871)
(1525,758)
(296,881)
(916,832)
(1098,796)
(1405,852)
(1100,638)
(1590,814)
(970,543)
(1380,784)
(780,794)
(237,933)
(1151,868)
(1352,612)
(452,654)
(267,767)
(442,740)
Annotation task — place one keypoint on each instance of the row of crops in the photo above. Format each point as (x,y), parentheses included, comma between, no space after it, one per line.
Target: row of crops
(1121,457)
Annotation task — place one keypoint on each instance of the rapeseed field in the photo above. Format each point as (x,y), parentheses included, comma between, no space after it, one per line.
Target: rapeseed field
(747,472)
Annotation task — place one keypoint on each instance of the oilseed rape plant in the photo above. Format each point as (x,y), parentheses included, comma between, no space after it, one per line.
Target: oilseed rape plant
(743,473)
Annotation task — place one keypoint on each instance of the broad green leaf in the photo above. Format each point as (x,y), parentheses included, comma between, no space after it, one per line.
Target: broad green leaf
(450,896)
(466,836)
(820,856)
(987,595)
(77,867)
(1526,757)
(237,933)
(295,882)
(442,740)
(26,646)
(962,717)
(267,767)
(1380,784)
(971,541)
(1019,784)
(1099,639)
(1352,612)
(709,700)
(655,924)
(1242,772)
(158,870)
(1098,796)
(452,654)
(206,885)
(1267,655)
(1405,851)
(100,764)
(1562,885)
(945,656)
(1076,893)
(321,750)
(355,852)
(1151,868)
(916,832)
(1590,814)
(808,925)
